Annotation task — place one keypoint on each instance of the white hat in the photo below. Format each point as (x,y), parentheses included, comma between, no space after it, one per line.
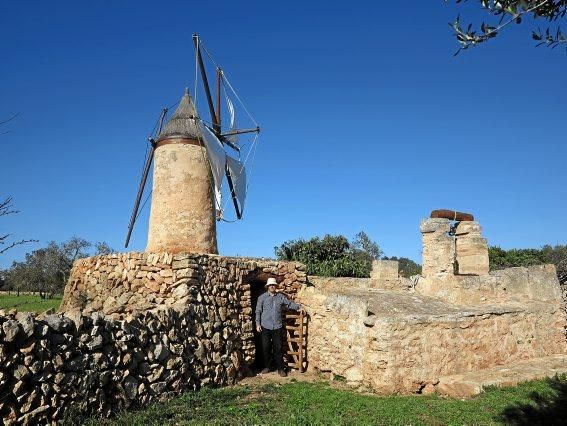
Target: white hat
(271,281)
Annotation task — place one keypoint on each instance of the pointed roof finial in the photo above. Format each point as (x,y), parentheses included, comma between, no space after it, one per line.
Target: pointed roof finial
(183,122)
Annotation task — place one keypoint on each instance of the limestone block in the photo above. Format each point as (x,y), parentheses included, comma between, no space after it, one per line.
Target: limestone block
(438,253)
(472,255)
(434,225)
(384,270)
(471,227)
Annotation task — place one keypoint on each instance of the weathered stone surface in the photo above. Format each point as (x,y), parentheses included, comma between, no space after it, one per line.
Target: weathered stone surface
(509,374)
(182,216)
(383,270)
(403,342)
(471,227)
(435,225)
(472,255)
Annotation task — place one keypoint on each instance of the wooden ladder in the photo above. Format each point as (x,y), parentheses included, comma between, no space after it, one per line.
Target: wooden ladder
(295,324)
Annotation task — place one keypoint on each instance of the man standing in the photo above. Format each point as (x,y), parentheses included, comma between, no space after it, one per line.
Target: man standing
(269,323)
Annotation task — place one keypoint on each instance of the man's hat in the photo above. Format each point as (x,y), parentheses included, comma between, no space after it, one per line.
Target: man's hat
(271,281)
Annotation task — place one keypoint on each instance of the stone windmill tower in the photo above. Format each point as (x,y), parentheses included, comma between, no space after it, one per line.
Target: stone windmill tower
(182,217)
(192,159)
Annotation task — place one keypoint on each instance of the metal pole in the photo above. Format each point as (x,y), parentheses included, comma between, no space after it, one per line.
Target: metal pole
(144,179)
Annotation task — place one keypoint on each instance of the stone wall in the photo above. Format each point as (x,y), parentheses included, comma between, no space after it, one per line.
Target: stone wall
(127,282)
(503,286)
(134,327)
(393,341)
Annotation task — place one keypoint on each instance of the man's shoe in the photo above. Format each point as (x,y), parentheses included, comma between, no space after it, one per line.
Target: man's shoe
(265,371)
(282,373)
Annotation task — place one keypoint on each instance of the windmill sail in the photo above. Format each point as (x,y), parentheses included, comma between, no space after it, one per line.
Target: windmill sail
(238,175)
(230,107)
(217,160)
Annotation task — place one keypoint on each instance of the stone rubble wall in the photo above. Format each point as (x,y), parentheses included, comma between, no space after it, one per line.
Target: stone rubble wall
(134,327)
(126,282)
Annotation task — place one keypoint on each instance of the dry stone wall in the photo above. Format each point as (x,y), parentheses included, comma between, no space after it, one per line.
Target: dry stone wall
(134,327)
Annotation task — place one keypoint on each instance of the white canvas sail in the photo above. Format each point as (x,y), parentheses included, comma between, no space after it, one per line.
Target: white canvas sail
(238,175)
(217,160)
(230,107)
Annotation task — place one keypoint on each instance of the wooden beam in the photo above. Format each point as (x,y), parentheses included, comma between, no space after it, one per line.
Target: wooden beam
(144,179)
(216,126)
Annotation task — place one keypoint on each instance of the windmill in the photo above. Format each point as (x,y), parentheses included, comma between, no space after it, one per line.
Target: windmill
(192,159)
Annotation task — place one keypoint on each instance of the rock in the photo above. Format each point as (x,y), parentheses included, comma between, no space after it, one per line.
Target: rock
(95,343)
(472,255)
(384,270)
(55,322)
(130,388)
(21,372)
(158,387)
(435,225)
(161,352)
(468,228)
(27,322)
(11,329)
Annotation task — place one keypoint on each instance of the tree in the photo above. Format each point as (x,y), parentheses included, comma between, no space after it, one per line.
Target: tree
(500,259)
(332,255)
(6,208)
(363,243)
(507,12)
(407,267)
(46,270)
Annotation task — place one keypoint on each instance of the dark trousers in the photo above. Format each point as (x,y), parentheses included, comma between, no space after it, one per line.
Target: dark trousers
(272,348)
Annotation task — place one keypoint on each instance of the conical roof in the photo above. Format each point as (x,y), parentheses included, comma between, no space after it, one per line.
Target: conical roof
(183,122)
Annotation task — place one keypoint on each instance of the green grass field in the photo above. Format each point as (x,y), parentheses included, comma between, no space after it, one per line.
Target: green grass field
(28,303)
(298,403)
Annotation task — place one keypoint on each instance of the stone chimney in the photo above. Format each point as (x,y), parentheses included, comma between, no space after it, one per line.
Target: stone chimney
(449,250)
(182,217)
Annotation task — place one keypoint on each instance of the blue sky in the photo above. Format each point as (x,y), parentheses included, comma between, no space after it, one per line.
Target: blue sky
(368,121)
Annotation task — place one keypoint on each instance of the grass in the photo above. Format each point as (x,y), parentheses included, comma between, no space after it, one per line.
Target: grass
(299,403)
(28,303)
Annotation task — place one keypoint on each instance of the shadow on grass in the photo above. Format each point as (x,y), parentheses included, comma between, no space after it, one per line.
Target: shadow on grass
(549,408)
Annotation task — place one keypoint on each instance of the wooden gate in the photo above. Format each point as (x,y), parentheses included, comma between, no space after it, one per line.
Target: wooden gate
(295,324)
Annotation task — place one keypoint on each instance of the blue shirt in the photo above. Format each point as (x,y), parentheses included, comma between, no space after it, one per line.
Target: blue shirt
(269,310)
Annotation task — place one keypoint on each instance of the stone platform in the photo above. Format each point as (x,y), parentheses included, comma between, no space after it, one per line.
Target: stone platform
(472,383)
(403,341)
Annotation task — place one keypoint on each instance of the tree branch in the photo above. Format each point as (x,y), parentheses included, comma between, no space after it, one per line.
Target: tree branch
(549,9)
(9,119)
(16,243)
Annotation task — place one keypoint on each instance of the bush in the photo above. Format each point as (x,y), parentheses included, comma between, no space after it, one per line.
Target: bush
(332,255)
(500,259)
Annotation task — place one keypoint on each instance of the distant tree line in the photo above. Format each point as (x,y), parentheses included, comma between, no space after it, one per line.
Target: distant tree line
(500,259)
(46,270)
(336,256)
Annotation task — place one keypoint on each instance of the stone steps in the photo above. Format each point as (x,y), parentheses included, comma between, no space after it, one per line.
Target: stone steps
(472,383)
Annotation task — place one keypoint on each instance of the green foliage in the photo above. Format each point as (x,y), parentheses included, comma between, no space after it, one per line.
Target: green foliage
(332,255)
(557,255)
(506,12)
(321,403)
(407,267)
